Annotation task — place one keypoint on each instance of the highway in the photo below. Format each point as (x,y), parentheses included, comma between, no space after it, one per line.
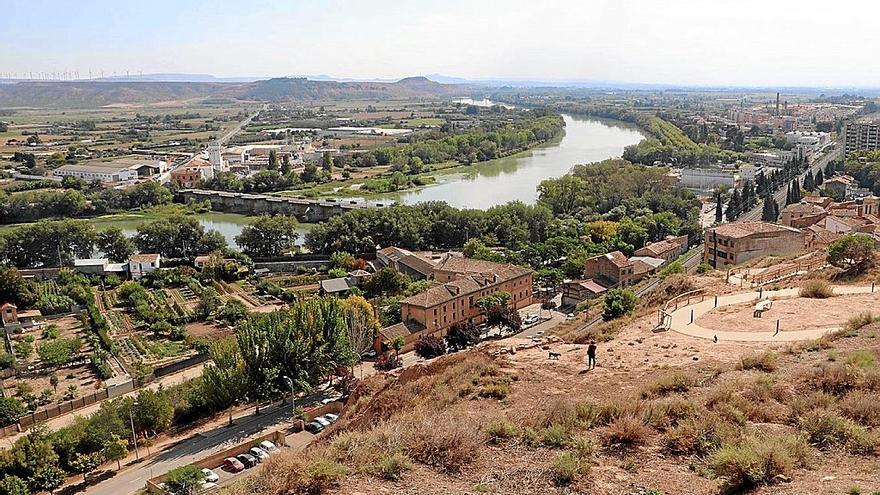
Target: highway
(241,125)
(779,195)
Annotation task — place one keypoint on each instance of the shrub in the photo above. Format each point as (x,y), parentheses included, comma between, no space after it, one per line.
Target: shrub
(568,467)
(555,436)
(863,359)
(861,407)
(763,362)
(429,347)
(816,288)
(698,435)
(677,382)
(857,322)
(826,429)
(618,302)
(753,460)
(627,431)
(462,335)
(671,268)
(835,379)
(322,474)
(392,466)
(441,441)
(495,390)
(501,429)
(704,268)
(666,413)
(387,362)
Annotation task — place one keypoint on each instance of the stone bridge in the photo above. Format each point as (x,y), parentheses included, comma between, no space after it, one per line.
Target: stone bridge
(306,210)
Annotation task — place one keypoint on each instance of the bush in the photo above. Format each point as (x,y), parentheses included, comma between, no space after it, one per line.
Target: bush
(863,359)
(857,322)
(388,362)
(618,302)
(555,436)
(445,442)
(861,407)
(462,335)
(704,268)
(501,429)
(826,429)
(392,466)
(835,379)
(755,460)
(429,347)
(677,382)
(816,288)
(568,467)
(698,435)
(762,362)
(627,431)
(672,268)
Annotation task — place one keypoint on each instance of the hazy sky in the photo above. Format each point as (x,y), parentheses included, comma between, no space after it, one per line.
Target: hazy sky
(713,42)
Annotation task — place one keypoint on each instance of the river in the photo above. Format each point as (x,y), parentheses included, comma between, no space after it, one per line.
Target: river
(515,178)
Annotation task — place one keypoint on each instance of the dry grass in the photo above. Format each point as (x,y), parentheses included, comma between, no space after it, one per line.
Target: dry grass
(765,361)
(816,288)
(677,382)
(826,429)
(756,460)
(626,431)
(699,435)
(862,407)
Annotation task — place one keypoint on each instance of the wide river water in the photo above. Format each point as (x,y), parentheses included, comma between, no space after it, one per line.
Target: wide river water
(495,182)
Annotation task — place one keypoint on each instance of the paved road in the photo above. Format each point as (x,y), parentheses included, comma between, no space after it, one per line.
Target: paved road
(680,320)
(241,125)
(779,195)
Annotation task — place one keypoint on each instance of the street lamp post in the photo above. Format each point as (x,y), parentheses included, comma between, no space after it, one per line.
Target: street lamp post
(133,434)
(292,395)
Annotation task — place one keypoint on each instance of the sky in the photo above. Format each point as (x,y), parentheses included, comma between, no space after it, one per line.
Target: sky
(682,42)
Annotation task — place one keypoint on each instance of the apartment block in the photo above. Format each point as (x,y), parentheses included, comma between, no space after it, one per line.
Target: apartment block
(734,243)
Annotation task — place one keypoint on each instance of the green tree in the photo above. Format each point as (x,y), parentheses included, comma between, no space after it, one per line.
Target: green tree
(13,485)
(385,281)
(285,164)
(177,237)
(15,289)
(854,252)
(769,209)
(618,302)
(153,412)
(269,236)
(10,410)
(47,478)
(273,160)
(113,243)
(85,463)
(719,210)
(733,206)
(327,161)
(222,379)
(343,260)
(115,449)
(184,480)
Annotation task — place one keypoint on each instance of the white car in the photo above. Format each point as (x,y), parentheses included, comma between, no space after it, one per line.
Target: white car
(322,421)
(210,476)
(208,486)
(268,446)
(331,417)
(259,453)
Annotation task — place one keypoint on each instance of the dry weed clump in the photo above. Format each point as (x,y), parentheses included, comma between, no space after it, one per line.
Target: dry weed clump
(837,379)
(677,382)
(758,459)
(627,431)
(862,407)
(286,474)
(568,467)
(442,440)
(765,361)
(501,429)
(758,400)
(816,288)
(824,428)
(699,435)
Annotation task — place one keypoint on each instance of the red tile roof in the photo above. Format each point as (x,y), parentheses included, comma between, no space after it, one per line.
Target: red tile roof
(745,229)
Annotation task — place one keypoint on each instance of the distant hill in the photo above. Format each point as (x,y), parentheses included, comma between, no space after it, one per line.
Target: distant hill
(286,88)
(90,94)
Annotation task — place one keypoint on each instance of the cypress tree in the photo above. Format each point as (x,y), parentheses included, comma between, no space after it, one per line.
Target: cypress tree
(733,207)
(819,178)
(768,212)
(719,213)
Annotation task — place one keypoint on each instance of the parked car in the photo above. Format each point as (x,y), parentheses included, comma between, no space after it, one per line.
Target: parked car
(268,446)
(208,486)
(259,453)
(331,417)
(210,476)
(232,464)
(314,427)
(323,421)
(530,319)
(248,460)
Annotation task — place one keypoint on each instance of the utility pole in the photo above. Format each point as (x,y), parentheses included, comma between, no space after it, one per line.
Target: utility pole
(133,435)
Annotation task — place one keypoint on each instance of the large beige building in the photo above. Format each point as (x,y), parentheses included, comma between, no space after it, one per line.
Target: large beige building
(462,282)
(734,243)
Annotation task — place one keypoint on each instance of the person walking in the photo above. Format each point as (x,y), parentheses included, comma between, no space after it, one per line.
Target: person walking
(591,355)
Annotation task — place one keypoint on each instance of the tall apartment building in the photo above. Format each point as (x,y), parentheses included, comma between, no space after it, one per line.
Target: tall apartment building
(734,243)
(861,136)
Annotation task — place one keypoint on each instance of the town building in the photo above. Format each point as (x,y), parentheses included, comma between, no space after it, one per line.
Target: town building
(707,178)
(858,136)
(575,292)
(667,249)
(609,269)
(462,282)
(406,262)
(188,177)
(119,170)
(142,264)
(8,314)
(801,215)
(734,243)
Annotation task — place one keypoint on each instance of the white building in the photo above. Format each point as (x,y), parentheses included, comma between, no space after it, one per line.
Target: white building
(748,171)
(706,178)
(142,264)
(120,170)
